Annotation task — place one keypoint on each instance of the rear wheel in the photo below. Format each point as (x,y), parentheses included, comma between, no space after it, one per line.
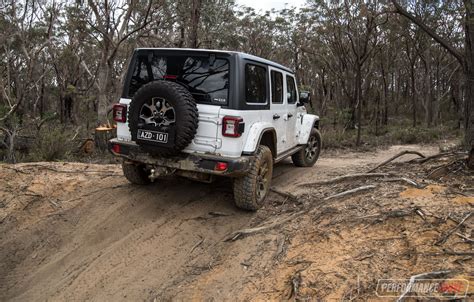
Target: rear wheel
(251,190)
(308,156)
(136,173)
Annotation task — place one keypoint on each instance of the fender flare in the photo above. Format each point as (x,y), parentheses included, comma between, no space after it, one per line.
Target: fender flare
(255,135)
(308,122)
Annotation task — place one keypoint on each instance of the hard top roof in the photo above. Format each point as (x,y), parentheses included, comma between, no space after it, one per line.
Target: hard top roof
(242,55)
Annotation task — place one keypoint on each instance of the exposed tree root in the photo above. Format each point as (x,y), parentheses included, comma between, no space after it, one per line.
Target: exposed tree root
(395,157)
(443,239)
(238,234)
(350,192)
(411,182)
(284,194)
(436,156)
(345,177)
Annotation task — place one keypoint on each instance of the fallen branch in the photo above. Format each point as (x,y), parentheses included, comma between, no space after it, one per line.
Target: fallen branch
(345,177)
(443,239)
(404,179)
(467,239)
(436,156)
(350,192)
(455,253)
(196,245)
(395,157)
(295,285)
(444,170)
(237,234)
(284,194)
(421,276)
(447,252)
(384,215)
(363,257)
(281,248)
(55,204)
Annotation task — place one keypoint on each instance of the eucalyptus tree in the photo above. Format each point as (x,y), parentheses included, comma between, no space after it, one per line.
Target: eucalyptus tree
(28,29)
(464,57)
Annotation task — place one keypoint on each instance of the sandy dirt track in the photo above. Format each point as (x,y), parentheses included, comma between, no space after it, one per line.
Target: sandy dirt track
(74,232)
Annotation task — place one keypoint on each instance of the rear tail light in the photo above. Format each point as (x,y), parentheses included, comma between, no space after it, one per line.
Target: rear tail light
(220,166)
(169,77)
(120,113)
(232,126)
(116,148)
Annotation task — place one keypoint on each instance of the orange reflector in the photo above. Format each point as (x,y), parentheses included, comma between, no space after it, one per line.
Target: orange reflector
(116,148)
(220,166)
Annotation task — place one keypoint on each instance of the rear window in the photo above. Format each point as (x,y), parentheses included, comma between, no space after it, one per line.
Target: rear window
(277,87)
(291,90)
(207,78)
(255,84)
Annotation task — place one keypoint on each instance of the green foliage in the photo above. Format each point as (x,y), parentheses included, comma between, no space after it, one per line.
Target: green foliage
(51,144)
(339,138)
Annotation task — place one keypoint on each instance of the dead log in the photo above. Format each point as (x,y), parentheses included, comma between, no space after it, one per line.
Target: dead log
(395,157)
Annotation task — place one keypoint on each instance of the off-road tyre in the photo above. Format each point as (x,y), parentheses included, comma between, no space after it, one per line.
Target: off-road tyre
(301,158)
(247,194)
(186,114)
(136,173)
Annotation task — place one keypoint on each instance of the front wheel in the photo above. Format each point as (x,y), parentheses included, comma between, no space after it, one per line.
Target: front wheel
(308,155)
(136,173)
(250,190)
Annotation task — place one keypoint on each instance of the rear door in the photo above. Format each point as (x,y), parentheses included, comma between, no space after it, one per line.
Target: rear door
(278,107)
(291,97)
(206,138)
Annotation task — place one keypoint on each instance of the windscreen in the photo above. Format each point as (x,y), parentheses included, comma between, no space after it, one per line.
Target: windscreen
(206,77)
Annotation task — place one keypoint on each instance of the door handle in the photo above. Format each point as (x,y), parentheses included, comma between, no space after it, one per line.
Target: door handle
(290,115)
(276,116)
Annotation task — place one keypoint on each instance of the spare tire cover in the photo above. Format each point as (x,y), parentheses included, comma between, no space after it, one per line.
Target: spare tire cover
(163,117)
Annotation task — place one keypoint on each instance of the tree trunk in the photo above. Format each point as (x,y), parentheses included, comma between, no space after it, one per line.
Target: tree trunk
(359,100)
(104,78)
(195,16)
(413,93)
(385,97)
(469,71)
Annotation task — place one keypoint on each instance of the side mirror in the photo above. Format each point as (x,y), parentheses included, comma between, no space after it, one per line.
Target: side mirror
(305,97)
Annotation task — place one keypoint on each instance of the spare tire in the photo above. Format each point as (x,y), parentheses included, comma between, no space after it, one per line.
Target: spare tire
(163,118)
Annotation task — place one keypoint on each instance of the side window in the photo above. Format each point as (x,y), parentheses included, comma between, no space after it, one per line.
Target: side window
(277,87)
(291,90)
(255,84)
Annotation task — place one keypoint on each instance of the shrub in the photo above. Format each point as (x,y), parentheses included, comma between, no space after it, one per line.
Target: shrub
(51,143)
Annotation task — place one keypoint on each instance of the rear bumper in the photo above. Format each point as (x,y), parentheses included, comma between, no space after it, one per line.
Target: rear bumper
(203,163)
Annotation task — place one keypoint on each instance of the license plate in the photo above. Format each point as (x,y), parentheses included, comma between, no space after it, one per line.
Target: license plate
(153,136)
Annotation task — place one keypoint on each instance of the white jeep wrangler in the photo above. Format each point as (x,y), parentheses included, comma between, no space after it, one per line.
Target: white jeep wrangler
(205,113)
